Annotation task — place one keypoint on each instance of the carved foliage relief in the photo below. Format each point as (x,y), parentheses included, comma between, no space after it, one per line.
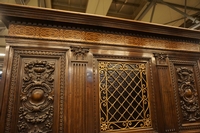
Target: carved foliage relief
(188,94)
(37,97)
(79,52)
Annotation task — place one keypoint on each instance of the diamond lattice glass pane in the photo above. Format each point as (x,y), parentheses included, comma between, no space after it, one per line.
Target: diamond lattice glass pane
(123,96)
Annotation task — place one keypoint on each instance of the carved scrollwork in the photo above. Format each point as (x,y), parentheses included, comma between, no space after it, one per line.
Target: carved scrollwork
(188,94)
(36,108)
(79,52)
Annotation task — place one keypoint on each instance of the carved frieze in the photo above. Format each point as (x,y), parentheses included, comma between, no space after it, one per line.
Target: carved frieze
(36,108)
(101,37)
(188,94)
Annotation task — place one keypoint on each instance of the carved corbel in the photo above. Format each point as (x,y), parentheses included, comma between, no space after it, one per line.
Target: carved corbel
(79,52)
(161,59)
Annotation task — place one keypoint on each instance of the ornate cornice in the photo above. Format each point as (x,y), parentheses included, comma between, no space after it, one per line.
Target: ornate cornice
(58,17)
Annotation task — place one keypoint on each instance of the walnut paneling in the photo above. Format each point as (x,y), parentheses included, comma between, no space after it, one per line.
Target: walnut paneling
(51,80)
(35,100)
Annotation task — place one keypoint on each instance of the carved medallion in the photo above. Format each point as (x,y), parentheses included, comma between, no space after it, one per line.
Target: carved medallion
(188,94)
(36,108)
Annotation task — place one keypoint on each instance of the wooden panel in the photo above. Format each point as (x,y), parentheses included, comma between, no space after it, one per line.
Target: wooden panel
(47,88)
(35,100)
(185,75)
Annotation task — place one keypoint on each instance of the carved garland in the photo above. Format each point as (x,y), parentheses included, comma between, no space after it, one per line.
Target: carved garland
(37,94)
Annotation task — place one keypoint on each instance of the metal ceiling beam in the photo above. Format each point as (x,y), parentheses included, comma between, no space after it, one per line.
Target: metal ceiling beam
(154,6)
(122,5)
(65,6)
(44,3)
(99,7)
(126,3)
(48,3)
(174,20)
(194,26)
(149,6)
(179,6)
(22,2)
(179,11)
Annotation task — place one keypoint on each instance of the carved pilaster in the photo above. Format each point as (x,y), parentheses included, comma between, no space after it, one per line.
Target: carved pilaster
(166,91)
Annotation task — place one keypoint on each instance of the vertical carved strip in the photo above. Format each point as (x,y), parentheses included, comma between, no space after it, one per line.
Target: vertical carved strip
(175,92)
(62,92)
(95,96)
(79,98)
(155,121)
(14,72)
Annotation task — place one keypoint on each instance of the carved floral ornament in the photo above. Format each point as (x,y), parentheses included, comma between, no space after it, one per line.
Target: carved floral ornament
(188,94)
(161,58)
(79,52)
(36,109)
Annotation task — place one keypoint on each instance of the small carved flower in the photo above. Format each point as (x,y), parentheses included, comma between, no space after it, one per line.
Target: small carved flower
(147,122)
(104,127)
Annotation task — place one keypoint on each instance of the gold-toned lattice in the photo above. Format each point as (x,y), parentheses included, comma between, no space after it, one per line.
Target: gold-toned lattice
(123,94)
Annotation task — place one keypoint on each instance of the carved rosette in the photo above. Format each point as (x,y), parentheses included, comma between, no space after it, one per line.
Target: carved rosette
(188,94)
(36,108)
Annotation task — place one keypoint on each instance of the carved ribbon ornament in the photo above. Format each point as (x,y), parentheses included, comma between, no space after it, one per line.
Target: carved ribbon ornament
(36,106)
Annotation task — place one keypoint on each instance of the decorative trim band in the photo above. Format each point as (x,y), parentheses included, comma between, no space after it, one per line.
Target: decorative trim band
(99,37)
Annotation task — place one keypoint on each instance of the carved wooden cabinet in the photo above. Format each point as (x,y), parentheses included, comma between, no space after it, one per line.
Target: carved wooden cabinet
(64,74)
